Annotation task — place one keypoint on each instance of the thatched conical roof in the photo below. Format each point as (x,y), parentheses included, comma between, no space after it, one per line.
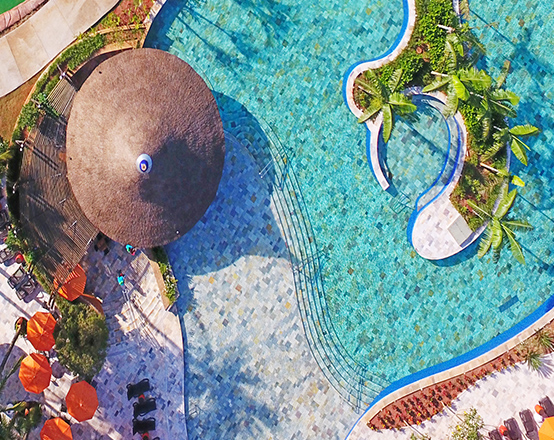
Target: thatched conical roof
(144,102)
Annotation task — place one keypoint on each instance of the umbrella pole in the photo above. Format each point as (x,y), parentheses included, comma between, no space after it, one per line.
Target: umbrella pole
(7,355)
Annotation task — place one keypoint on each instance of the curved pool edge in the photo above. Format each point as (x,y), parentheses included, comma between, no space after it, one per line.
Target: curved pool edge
(374,127)
(459,365)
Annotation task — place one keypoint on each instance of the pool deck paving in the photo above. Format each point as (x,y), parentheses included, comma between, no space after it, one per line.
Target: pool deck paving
(145,342)
(497,398)
(28,48)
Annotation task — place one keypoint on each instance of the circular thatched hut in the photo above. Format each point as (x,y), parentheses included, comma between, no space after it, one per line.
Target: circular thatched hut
(145,147)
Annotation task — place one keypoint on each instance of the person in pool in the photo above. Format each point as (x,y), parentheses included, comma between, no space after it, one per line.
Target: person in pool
(121,279)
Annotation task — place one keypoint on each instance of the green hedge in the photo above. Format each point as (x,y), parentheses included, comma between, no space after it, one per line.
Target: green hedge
(81,338)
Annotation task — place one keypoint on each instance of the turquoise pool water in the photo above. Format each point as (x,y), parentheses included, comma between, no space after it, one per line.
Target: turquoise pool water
(394,312)
(6,5)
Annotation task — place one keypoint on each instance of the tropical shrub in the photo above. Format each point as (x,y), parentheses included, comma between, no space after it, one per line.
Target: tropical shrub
(170,282)
(468,428)
(81,338)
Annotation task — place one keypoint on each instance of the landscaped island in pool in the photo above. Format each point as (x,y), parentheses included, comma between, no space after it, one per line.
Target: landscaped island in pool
(391,312)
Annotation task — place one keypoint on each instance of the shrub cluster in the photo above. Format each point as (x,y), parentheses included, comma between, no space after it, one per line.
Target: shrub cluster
(81,338)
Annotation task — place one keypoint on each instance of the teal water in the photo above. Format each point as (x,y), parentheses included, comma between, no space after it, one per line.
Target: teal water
(394,312)
(6,5)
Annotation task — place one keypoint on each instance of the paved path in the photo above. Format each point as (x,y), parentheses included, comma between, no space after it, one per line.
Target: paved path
(496,398)
(144,341)
(31,46)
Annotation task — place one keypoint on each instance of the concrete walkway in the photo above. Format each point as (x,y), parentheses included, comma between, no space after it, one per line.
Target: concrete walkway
(30,47)
(145,341)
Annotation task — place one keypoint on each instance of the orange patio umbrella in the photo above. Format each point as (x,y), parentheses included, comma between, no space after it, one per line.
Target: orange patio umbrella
(40,331)
(35,373)
(546,432)
(56,429)
(81,401)
(74,285)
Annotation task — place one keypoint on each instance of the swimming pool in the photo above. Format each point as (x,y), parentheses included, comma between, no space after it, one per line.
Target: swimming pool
(6,5)
(393,313)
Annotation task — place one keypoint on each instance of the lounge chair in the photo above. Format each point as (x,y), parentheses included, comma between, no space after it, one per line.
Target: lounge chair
(495,435)
(144,407)
(142,426)
(5,255)
(514,433)
(25,288)
(546,403)
(528,422)
(135,390)
(20,276)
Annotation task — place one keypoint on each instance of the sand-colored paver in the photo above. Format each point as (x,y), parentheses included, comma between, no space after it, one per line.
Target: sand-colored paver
(30,47)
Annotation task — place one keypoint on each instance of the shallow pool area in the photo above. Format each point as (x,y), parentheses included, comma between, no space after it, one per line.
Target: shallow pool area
(280,66)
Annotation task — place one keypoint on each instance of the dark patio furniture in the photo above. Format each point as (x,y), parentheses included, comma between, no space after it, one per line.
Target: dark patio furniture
(546,403)
(495,435)
(5,255)
(144,407)
(514,433)
(4,219)
(25,288)
(135,390)
(528,422)
(19,277)
(142,426)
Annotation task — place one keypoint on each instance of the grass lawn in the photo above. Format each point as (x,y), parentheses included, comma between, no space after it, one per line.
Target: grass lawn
(10,106)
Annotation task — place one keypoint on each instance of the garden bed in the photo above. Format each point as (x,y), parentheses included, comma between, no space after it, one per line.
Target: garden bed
(416,408)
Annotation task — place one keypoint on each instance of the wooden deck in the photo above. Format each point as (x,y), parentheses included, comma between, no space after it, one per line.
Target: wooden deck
(50,215)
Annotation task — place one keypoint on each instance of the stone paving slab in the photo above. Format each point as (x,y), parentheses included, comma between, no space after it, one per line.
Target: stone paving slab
(43,36)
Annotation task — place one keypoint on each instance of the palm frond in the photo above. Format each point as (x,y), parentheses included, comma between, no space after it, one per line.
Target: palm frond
(394,80)
(401,103)
(485,243)
(518,148)
(505,204)
(437,84)
(388,122)
(514,245)
(452,103)
(479,79)
(524,130)
(502,95)
(497,235)
(503,74)
(374,107)
(518,224)
(459,87)
(479,211)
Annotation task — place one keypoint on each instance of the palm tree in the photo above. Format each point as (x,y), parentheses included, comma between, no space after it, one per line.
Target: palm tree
(385,99)
(511,135)
(458,83)
(500,228)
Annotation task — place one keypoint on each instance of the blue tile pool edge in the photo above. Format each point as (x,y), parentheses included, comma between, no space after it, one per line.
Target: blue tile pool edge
(505,337)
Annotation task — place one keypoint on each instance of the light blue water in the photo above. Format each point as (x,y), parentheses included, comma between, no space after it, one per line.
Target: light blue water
(394,312)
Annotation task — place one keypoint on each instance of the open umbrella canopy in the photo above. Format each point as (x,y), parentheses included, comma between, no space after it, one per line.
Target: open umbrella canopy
(145,147)
(35,373)
(81,401)
(40,331)
(74,285)
(546,431)
(56,429)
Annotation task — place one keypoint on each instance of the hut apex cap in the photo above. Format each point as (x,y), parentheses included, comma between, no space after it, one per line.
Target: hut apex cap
(145,147)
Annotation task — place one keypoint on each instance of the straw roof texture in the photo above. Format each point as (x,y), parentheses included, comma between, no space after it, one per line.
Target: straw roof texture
(144,101)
